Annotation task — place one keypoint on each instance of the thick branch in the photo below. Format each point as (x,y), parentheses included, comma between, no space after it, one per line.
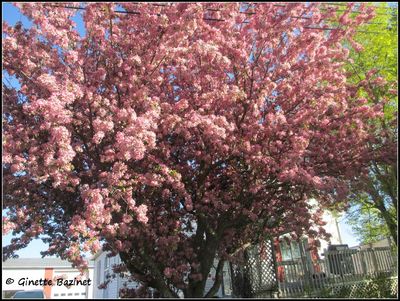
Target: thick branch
(218,280)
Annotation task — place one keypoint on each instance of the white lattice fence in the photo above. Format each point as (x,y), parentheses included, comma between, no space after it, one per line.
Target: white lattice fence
(257,277)
(370,288)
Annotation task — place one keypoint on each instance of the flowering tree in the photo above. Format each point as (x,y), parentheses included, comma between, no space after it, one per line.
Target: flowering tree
(177,134)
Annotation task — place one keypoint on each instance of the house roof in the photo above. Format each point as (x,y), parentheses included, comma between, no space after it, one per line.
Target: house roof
(38,263)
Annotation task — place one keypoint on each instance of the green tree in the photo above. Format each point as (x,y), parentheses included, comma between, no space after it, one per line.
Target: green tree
(367,222)
(374,197)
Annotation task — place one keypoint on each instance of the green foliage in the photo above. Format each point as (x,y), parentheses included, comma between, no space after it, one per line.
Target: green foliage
(375,287)
(366,222)
(379,286)
(379,40)
(372,214)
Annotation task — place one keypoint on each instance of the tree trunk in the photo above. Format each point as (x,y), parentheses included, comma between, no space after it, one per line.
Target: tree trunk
(379,204)
(218,280)
(391,224)
(207,253)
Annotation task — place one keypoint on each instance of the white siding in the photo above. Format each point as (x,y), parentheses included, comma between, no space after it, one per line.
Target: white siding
(112,289)
(98,276)
(103,265)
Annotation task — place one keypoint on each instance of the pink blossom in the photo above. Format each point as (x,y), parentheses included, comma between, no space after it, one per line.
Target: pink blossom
(141,213)
(168,272)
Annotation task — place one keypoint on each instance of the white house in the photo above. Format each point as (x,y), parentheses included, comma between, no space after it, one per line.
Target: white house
(103,266)
(36,273)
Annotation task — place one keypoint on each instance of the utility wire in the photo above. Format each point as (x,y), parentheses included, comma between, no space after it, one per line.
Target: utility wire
(309,18)
(374,6)
(222,20)
(354,12)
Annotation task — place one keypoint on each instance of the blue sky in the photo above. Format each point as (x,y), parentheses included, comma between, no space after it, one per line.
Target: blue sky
(12,15)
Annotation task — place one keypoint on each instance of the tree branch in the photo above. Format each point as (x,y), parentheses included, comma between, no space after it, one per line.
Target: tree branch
(218,280)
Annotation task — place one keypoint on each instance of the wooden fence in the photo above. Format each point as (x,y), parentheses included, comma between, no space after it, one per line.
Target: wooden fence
(337,268)
(337,271)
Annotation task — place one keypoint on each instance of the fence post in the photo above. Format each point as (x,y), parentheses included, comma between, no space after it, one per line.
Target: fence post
(363,263)
(306,267)
(391,257)
(374,262)
(389,243)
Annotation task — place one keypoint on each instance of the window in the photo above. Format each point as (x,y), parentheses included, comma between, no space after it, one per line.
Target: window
(295,250)
(69,294)
(99,272)
(63,294)
(83,294)
(76,294)
(290,251)
(106,262)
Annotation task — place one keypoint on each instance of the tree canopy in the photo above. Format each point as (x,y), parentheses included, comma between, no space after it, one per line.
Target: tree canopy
(177,134)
